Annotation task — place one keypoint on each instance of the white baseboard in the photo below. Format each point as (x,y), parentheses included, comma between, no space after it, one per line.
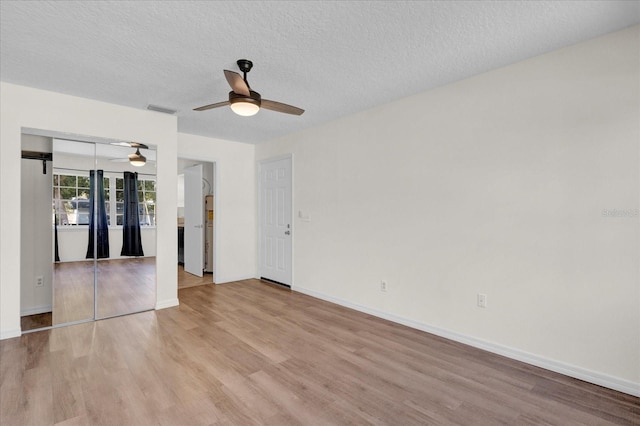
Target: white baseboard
(594,377)
(35,310)
(225,280)
(9,334)
(169,303)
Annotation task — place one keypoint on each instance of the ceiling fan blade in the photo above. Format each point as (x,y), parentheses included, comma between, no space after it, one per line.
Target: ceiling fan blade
(237,83)
(206,107)
(131,144)
(280,107)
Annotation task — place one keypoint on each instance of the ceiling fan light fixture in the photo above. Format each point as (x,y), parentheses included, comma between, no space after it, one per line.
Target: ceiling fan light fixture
(137,159)
(245,107)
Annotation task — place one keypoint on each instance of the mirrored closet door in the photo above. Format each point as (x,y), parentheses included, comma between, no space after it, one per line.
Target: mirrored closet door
(98,237)
(126,268)
(74,263)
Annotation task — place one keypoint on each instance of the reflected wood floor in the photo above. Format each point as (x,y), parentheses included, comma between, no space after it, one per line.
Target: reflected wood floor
(124,286)
(248,353)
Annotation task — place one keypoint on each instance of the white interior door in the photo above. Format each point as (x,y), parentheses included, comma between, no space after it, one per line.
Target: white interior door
(275,220)
(193,221)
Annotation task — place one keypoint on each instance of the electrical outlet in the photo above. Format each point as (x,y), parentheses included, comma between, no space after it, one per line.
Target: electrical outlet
(40,281)
(482,300)
(383,285)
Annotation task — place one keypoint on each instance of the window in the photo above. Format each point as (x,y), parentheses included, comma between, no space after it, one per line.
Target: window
(71,200)
(147,202)
(119,201)
(107,201)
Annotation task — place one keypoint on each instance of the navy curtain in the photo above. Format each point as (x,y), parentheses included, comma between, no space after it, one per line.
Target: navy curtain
(97,222)
(131,238)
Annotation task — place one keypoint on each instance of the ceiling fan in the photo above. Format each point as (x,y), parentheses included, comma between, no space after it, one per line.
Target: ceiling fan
(136,159)
(243,100)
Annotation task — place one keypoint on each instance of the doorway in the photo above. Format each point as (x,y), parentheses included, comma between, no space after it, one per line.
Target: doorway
(196,222)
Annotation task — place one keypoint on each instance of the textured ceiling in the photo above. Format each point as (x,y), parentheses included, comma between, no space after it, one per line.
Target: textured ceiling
(331,58)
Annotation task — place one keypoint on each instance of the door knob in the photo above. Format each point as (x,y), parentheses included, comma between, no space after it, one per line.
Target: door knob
(287,232)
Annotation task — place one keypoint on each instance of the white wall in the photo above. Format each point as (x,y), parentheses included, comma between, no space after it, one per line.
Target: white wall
(28,108)
(73,241)
(235,216)
(495,184)
(36,247)
(36,237)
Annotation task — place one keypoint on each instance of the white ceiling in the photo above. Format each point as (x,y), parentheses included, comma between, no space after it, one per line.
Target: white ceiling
(98,150)
(331,58)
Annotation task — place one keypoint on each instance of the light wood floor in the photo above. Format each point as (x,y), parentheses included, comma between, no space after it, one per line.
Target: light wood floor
(248,353)
(186,279)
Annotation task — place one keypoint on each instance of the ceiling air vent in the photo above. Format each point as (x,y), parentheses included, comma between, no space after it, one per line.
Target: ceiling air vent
(161,109)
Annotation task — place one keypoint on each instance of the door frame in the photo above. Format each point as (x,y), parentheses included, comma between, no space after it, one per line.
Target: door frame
(215,162)
(259,164)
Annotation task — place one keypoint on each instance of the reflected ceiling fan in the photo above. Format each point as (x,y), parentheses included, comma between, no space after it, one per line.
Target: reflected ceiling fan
(243,100)
(136,159)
